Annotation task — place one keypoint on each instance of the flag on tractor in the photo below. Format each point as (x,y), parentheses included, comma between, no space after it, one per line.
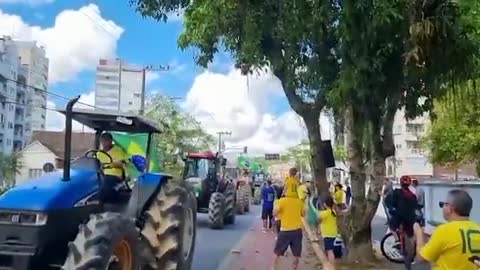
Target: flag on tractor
(136,144)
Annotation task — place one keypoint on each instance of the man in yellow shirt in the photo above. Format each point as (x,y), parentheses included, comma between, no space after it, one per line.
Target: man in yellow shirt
(291,183)
(452,244)
(290,211)
(114,170)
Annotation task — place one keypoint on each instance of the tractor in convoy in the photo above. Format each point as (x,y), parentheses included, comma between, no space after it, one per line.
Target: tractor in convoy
(61,221)
(258,182)
(242,186)
(215,193)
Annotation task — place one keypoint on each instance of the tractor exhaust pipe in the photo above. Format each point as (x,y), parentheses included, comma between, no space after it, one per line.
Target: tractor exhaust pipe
(68,138)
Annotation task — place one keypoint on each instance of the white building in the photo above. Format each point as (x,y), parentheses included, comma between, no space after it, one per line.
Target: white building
(47,149)
(409,158)
(14,98)
(33,58)
(118,86)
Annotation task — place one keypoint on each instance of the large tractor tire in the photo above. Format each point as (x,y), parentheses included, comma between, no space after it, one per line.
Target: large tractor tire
(230,202)
(241,200)
(216,210)
(108,241)
(257,196)
(169,231)
(247,200)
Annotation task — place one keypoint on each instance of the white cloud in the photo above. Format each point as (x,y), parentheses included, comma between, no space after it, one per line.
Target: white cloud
(228,102)
(56,121)
(74,43)
(28,2)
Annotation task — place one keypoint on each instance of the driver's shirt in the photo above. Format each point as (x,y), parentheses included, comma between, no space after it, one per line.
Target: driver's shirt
(117,154)
(451,244)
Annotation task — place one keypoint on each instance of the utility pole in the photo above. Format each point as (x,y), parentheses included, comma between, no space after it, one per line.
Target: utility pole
(144,76)
(220,134)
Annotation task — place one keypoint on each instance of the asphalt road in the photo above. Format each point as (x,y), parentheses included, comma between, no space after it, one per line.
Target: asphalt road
(212,246)
(379,229)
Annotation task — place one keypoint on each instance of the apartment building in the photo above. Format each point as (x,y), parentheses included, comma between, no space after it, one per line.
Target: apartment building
(409,158)
(33,59)
(13,98)
(118,86)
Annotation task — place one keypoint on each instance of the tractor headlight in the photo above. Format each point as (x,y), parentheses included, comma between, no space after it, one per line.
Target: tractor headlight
(23,218)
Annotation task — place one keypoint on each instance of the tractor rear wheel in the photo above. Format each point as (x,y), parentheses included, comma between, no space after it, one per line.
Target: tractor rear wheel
(216,210)
(230,202)
(108,241)
(170,229)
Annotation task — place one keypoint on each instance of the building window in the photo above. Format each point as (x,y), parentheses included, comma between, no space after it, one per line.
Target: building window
(34,173)
(398,146)
(130,103)
(10,125)
(415,128)
(136,95)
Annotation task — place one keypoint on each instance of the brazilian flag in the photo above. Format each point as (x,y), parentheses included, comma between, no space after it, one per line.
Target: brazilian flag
(136,144)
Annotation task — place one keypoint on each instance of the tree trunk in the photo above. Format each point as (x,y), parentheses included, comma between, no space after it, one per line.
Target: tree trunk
(356,228)
(318,168)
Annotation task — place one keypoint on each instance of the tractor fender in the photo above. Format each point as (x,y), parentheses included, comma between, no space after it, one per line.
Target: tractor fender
(145,189)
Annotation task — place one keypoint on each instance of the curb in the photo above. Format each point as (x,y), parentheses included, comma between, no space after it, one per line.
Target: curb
(316,247)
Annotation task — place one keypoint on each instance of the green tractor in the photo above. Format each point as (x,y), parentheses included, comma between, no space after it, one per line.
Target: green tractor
(215,193)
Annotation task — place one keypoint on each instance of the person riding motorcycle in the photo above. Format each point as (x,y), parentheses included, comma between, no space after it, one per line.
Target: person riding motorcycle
(402,205)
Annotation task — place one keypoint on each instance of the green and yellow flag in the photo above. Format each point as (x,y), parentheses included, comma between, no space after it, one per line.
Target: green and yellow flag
(136,144)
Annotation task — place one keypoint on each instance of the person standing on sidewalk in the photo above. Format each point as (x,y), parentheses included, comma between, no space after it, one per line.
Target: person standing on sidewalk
(420,202)
(290,210)
(268,198)
(328,227)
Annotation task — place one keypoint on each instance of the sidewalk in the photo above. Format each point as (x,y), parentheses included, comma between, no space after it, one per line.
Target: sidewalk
(255,252)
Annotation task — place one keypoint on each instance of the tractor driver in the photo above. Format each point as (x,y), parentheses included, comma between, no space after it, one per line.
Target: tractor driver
(114,170)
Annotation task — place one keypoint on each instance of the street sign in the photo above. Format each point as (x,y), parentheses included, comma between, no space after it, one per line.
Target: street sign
(272,156)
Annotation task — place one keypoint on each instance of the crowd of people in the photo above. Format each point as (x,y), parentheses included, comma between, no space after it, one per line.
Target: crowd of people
(283,210)
(453,245)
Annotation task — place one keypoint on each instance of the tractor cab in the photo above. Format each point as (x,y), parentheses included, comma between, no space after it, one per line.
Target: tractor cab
(204,171)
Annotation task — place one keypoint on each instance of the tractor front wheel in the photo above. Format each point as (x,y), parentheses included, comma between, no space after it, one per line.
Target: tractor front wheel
(216,210)
(108,241)
(241,200)
(170,229)
(230,197)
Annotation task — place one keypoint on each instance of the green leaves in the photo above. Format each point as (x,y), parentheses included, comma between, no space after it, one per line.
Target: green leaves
(10,165)
(454,137)
(183,133)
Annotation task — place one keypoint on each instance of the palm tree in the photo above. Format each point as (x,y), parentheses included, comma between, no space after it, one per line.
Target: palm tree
(10,165)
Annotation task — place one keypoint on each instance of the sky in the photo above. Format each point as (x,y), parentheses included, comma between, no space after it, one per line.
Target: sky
(77,33)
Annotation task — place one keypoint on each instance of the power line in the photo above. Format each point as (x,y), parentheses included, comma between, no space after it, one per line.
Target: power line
(49,93)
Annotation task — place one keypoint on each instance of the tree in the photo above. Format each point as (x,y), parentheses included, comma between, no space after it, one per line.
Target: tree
(365,59)
(295,39)
(183,133)
(396,53)
(10,166)
(453,139)
(300,154)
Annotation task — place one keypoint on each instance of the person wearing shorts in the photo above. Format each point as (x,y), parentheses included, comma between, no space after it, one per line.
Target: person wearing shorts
(290,211)
(268,198)
(328,227)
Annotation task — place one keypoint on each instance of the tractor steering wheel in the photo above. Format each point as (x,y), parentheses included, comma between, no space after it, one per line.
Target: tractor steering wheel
(93,153)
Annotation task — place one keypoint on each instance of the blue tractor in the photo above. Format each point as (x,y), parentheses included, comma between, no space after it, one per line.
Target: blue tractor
(59,220)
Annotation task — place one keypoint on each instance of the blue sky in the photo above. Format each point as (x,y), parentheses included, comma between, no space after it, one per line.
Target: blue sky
(144,41)
(114,28)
